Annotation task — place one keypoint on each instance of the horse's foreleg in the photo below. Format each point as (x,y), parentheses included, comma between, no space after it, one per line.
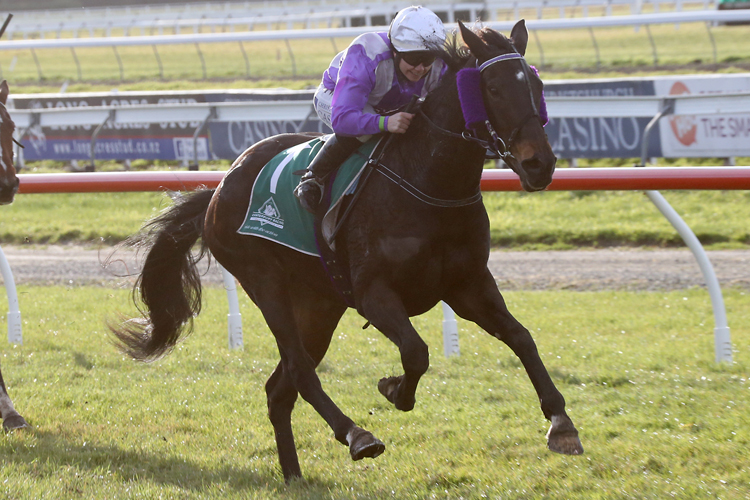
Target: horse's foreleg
(11,418)
(484,305)
(385,310)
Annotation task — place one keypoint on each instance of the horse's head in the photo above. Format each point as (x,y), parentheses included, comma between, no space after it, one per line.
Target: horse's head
(8,179)
(512,94)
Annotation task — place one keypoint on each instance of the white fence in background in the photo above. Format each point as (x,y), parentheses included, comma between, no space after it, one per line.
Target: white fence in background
(228,16)
(707,17)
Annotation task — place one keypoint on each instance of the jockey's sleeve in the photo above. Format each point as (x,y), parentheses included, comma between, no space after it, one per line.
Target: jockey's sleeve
(355,82)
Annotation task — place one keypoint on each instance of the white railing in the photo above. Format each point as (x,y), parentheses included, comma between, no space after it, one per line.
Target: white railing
(707,17)
(255,36)
(225,15)
(270,17)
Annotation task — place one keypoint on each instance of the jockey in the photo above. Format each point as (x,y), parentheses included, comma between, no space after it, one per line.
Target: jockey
(377,74)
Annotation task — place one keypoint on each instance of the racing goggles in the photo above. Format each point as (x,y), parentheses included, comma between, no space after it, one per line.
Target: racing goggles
(416,58)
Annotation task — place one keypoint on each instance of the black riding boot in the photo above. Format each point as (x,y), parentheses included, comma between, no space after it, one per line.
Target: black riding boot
(337,148)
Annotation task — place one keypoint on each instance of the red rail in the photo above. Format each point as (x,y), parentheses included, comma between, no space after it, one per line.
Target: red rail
(564,179)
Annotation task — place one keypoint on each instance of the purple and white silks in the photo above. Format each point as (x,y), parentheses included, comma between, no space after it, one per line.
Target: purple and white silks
(365,85)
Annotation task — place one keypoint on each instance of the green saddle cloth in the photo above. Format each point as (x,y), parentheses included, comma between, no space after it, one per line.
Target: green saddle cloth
(275,214)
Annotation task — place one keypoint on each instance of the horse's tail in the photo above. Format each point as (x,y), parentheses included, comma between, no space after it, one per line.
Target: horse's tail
(168,290)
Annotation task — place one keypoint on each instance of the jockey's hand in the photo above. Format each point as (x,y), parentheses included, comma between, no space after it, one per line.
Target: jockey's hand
(399,122)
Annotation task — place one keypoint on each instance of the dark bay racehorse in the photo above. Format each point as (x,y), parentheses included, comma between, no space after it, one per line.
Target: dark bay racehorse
(8,189)
(406,249)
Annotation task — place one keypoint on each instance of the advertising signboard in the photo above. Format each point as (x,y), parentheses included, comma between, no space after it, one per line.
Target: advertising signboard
(704,135)
(599,137)
(593,137)
(162,141)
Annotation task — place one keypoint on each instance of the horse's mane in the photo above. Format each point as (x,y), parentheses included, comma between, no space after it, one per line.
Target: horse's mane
(456,54)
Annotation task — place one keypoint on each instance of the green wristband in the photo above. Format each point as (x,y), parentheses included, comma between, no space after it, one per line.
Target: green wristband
(381,123)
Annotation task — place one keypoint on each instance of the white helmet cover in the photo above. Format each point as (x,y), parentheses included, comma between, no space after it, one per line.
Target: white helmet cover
(415,29)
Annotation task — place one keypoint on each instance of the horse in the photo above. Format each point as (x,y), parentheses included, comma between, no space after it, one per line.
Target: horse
(418,234)
(8,189)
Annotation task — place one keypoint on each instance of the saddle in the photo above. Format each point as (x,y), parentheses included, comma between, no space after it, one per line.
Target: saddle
(273,212)
(332,214)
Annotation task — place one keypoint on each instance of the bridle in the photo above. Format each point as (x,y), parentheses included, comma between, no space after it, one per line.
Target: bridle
(496,146)
(3,153)
(3,121)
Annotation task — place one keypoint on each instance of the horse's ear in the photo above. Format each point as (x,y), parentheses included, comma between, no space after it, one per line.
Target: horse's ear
(519,35)
(4,91)
(475,44)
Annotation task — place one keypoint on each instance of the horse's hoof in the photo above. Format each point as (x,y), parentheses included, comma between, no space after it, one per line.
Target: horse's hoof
(562,437)
(362,444)
(14,422)
(388,387)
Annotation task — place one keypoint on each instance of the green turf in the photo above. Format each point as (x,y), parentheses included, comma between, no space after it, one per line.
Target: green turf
(548,220)
(658,418)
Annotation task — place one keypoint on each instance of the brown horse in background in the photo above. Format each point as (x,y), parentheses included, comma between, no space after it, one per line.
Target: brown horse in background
(417,235)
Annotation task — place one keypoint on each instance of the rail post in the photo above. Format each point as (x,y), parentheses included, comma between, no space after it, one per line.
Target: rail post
(158,61)
(38,66)
(653,45)
(539,46)
(722,341)
(14,314)
(119,63)
(450,332)
(78,64)
(247,61)
(234,318)
(110,116)
(203,61)
(291,55)
(211,114)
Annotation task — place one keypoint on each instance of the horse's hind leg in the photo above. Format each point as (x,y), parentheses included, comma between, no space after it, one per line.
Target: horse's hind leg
(483,304)
(319,318)
(281,396)
(11,418)
(297,344)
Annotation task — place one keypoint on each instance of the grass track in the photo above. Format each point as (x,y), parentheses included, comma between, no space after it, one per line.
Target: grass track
(548,220)
(658,417)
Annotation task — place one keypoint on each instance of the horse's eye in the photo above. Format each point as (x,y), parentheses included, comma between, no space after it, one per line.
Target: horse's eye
(493,91)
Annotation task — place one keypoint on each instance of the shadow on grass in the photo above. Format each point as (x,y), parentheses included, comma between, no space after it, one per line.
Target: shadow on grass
(90,459)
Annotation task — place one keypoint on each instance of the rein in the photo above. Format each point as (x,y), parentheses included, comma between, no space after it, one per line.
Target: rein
(496,146)
(375,164)
(424,198)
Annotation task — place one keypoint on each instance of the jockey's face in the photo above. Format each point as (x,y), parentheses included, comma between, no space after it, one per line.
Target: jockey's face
(414,73)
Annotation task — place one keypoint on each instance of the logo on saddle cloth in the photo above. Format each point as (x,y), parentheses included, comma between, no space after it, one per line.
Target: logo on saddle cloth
(274,213)
(268,214)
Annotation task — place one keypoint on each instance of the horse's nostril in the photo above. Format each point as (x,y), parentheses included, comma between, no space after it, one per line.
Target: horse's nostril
(533,165)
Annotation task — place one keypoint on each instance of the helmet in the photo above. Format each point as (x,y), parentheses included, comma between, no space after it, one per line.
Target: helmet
(416,28)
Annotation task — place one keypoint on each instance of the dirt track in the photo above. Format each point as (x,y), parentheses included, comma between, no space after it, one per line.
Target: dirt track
(573,270)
